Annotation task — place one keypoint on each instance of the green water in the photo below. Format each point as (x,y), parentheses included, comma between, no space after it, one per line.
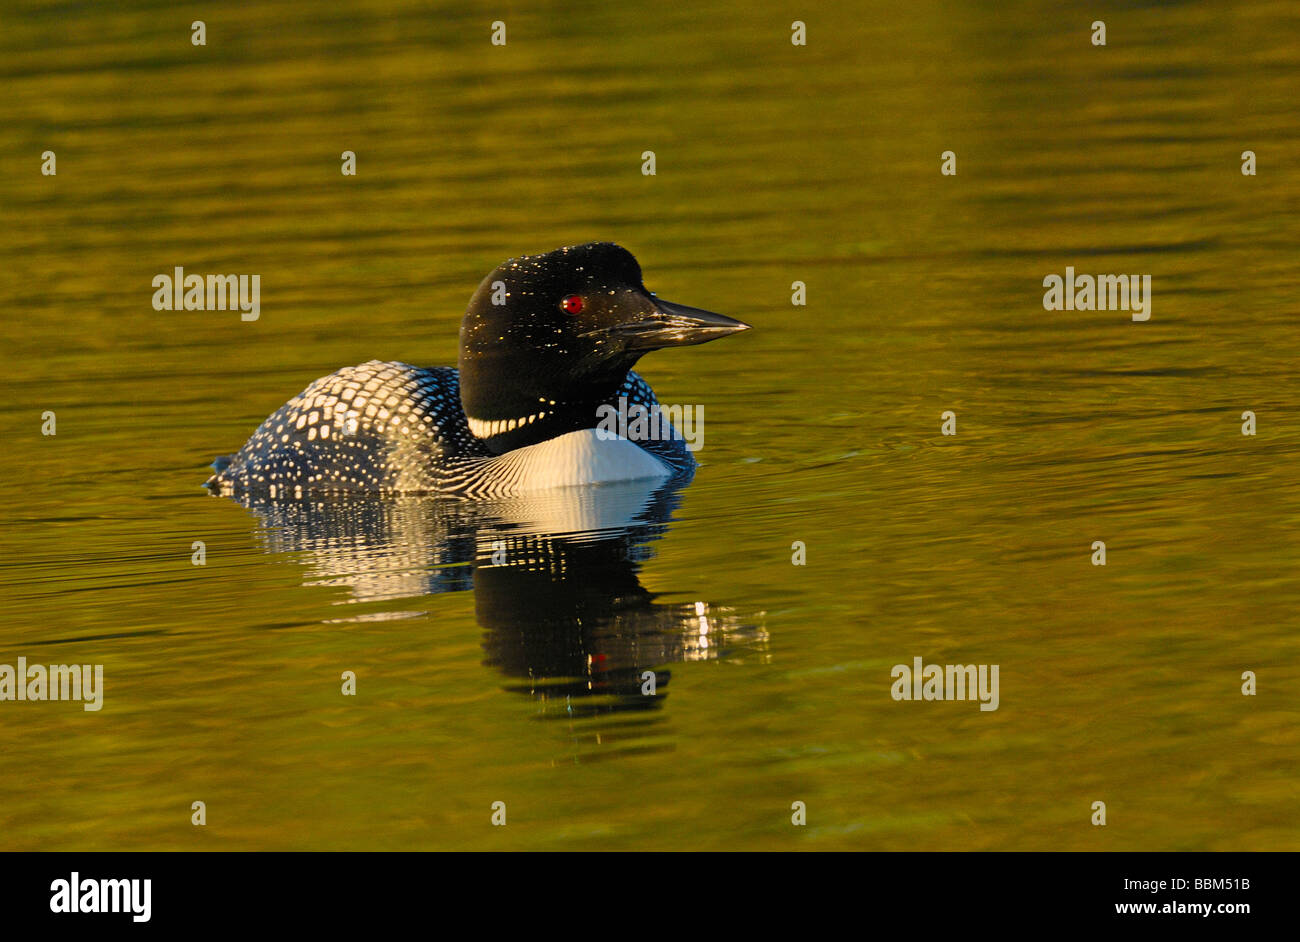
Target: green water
(775,164)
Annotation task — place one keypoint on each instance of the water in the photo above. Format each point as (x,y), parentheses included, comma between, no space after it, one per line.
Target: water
(478,683)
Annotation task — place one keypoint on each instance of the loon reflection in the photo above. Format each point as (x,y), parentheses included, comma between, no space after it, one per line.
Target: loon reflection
(555,577)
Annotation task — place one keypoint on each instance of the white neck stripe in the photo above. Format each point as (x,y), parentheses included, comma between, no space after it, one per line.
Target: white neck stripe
(488,428)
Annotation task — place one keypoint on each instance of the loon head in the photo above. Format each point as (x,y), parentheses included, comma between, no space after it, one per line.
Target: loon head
(548,339)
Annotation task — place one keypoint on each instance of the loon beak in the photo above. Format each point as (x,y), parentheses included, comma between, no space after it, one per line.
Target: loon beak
(675,325)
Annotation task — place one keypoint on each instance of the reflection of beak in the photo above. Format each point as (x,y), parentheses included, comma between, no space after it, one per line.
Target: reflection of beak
(674,325)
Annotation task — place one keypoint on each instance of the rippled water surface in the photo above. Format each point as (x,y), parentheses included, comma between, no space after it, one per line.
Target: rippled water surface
(479,682)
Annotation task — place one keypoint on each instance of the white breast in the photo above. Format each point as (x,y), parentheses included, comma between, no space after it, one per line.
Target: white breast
(571,460)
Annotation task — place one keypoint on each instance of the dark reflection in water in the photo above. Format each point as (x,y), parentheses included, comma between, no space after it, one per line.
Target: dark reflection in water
(555,577)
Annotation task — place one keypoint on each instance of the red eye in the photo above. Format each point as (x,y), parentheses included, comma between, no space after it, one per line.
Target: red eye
(571,305)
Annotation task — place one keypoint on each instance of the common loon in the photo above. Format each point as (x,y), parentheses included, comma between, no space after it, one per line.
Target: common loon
(546,341)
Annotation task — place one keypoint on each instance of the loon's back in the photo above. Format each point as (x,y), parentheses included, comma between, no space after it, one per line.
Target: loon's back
(392,428)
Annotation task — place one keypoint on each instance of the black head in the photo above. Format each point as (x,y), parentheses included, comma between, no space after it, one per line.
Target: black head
(552,337)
